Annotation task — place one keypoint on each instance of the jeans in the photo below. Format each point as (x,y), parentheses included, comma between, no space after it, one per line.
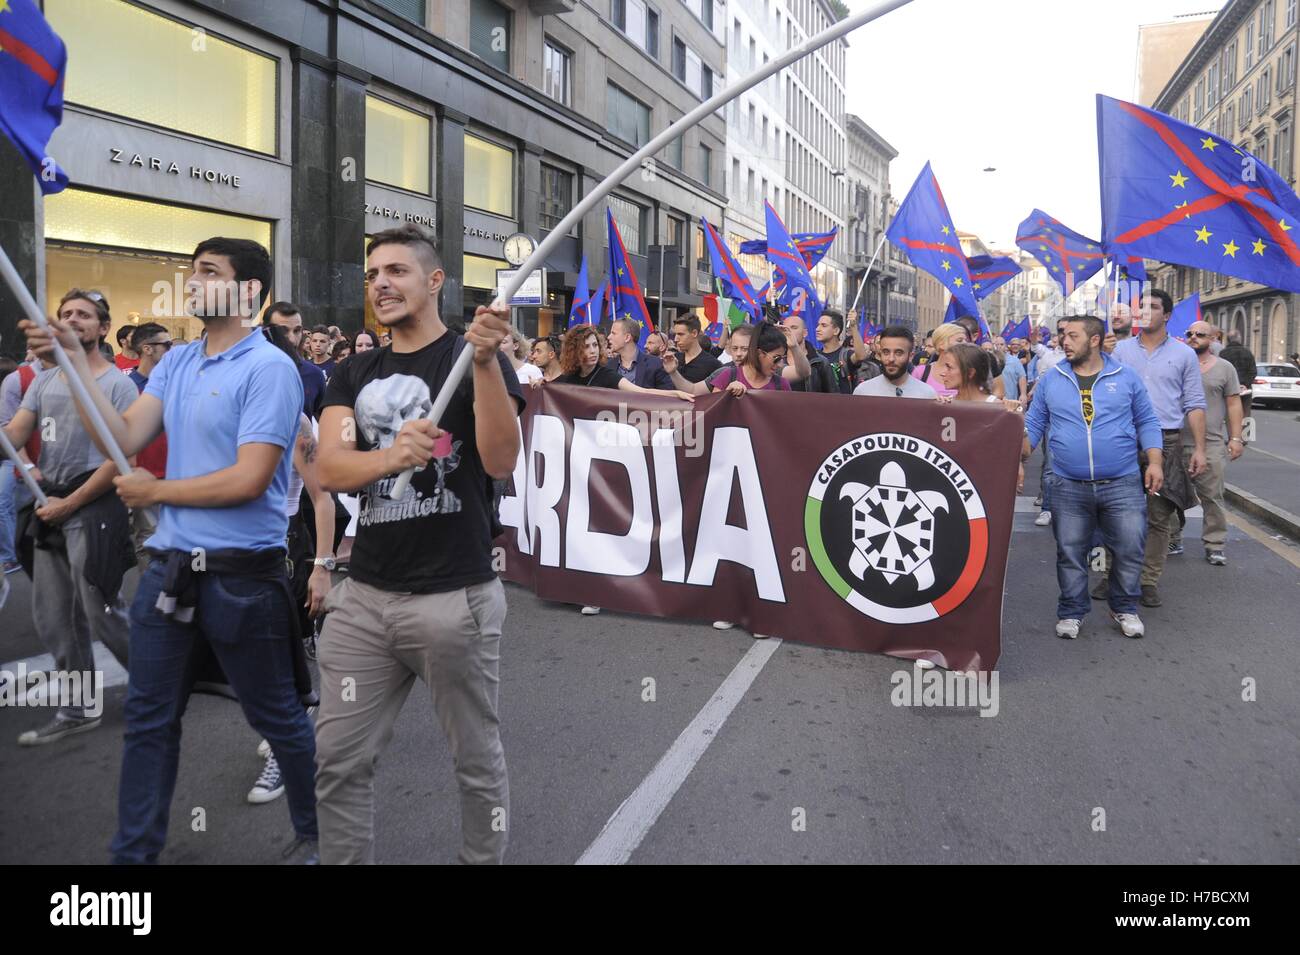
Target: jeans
(1118,509)
(14,496)
(246,622)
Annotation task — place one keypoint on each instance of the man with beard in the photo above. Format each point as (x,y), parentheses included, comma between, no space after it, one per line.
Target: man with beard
(423,598)
(1170,371)
(895,344)
(81,519)
(1222,410)
(230,402)
(1097,415)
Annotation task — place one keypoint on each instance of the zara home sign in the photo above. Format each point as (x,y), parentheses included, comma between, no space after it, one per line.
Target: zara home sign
(155,164)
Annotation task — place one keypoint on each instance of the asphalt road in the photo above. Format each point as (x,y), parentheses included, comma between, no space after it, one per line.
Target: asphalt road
(1270,468)
(1154,732)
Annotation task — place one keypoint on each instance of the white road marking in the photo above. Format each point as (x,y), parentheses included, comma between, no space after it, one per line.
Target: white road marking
(1279,457)
(105,662)
(639,811)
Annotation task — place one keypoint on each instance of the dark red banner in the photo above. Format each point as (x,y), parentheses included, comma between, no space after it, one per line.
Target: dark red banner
(877,524)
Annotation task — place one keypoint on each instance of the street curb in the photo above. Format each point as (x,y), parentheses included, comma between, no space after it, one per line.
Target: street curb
(1270,514)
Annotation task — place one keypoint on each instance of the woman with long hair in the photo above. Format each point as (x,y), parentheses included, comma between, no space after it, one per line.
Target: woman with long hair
(364,340)
(581,364)
(964,369)
(760,368)
(943,338)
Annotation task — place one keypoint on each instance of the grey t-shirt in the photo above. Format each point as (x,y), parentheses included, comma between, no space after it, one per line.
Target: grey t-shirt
(882,387)
(1219,382)
(66,448)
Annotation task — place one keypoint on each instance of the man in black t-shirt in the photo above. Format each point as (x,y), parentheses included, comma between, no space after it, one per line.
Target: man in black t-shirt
(694,363)
(423,599)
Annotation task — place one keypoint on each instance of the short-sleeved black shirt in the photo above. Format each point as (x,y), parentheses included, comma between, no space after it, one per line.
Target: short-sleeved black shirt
(438,538)
(602,377)
(699,369)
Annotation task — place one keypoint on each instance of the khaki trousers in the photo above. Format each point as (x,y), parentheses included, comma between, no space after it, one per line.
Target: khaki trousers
(373,646)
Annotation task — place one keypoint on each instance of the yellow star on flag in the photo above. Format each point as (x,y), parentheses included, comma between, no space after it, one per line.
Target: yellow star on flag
(946,231)
(944,265)
(1181,205)
(1230,248)
(976,285)
(627,315)
(4,6)
(1056,268)
(620,271)
(1257,247)
(1208,143)
(1203,235)
(957,282)
(1284,226)
(1179,179)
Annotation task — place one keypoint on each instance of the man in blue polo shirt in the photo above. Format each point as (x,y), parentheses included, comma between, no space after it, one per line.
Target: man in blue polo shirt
(1097,417)
(230,403)
(1172,376)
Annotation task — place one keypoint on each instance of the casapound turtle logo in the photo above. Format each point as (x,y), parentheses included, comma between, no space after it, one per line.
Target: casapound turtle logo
(896,527)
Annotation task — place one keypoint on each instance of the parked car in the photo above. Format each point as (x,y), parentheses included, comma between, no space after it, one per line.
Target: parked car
(1276,384)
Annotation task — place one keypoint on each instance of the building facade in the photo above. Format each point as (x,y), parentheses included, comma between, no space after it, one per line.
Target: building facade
(1239,83)
(815,148)
(756,130)
(930,303)
(324,123)
(870,211)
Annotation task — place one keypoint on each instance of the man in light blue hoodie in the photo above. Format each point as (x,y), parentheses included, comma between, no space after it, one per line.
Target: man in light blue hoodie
(1099,418)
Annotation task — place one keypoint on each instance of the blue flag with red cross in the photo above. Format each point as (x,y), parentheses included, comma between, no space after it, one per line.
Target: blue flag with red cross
(1070,258)
(923,228)
(625,297)
(33,61)
(1172,192)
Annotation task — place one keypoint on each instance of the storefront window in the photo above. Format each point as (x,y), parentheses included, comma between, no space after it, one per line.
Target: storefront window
(135,251)
(479,279)
(131,62)
(489,177)
(397,146)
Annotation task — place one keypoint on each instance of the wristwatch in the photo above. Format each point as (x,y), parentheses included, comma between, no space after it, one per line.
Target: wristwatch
(328,563)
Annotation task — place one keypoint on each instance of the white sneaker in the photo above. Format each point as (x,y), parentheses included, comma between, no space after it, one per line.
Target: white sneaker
(762,636)
(1068,628)
(722,625)
(1043,519)
(1129,623)
(590,611)
(269,785)
(263,749)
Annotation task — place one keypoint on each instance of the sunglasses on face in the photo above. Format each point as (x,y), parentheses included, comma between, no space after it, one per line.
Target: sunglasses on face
(1198,335)
(163,345)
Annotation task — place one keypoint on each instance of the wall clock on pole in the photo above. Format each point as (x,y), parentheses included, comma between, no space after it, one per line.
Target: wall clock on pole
(518,248)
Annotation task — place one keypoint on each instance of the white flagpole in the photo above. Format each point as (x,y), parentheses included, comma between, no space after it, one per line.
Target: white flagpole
(879,245)
(632,163)
(12,454)
(75,384)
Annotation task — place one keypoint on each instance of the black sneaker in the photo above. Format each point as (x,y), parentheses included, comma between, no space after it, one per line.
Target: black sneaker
(57,728)
(1150,596)
(269,785)
(1175,548)
(302,851)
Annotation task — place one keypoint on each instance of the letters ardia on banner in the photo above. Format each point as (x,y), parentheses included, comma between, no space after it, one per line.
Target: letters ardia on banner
(884,530)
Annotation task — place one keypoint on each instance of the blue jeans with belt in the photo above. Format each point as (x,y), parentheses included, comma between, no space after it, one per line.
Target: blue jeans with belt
(1118,509)
(246,622)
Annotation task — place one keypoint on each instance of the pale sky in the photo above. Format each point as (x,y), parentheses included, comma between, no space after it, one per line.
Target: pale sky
(1006,83)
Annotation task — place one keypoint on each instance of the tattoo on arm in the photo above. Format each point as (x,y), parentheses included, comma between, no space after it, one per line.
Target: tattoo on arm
(307,444)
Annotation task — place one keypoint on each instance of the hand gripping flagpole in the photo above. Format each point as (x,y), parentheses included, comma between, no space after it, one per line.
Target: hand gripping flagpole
(75,384)
(633,162)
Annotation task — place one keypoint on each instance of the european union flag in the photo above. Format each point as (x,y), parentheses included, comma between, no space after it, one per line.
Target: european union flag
(580,314)
(624,287)
(1019,330)
(1070,258)
(1185,312)
(736,284)
(782,252)
(1172,192)
(955,312)
(923,227)
(32,64)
